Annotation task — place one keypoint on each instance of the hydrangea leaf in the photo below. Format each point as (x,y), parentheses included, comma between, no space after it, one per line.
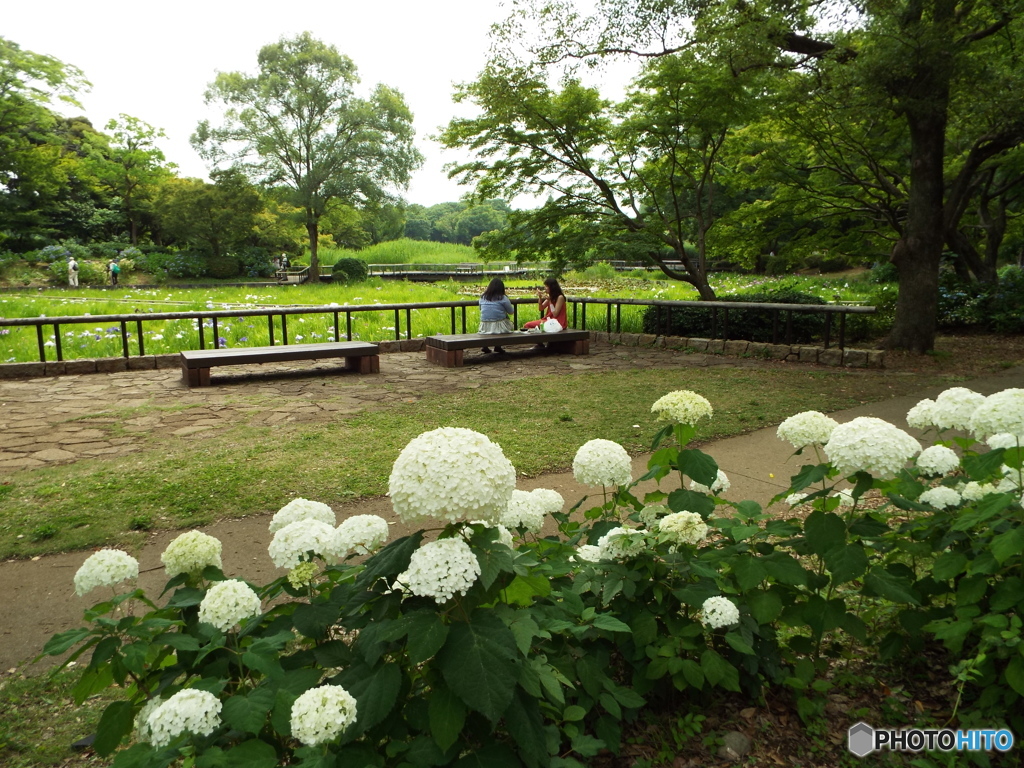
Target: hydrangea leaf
(824,531)
(682,500)
(390,561)
(478,662)
(1007,544)
(248,713)
(983,466)
(846,562)
(375,691)
(718,671)
(116,722)
(447,715)
(249,754)
(699,466)
(885,584)
(427,635)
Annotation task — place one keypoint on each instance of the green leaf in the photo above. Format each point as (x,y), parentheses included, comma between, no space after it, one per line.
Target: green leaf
(765,607)
(983,466)
(846,563)
(698,465)
(609,623)
(375,690)
(64,641)
(185,598)
(785,569)
(1015,674)
(116,723)
(738,643)
(808,475)
(390,561)
(178,641)
(248,713)
(574,713)
(479,663)
(869,527)
(885,584)
(949,564)
(681,500)
(586,745)
(523,589)
(1007,544)
(493,563)
(750,571)
(645,628)
(314,621)
(249,754)
(526,726)
(718,671)
(824,531)
(144,756)
(491,755)
(627,697)
(447,715)
(427,634)
(693,673)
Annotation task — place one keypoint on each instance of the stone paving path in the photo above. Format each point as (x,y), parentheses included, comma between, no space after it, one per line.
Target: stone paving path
(66,418)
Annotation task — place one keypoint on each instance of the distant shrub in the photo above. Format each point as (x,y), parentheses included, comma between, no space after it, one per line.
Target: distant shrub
(109,250)
(884,272)
(177,264)
(89,272)
(350,270)
(255,262)
(52,253)
(995,307)
(748,324)
(602,270)
(826,262)
(223,266)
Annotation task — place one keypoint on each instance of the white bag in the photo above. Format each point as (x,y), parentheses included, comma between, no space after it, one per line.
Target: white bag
(551,325)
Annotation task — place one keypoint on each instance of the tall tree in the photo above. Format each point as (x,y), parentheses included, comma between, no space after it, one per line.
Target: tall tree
(297,123)
(216,217)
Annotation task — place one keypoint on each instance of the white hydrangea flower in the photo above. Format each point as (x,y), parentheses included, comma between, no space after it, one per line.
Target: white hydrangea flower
(807,428)
(651,514)
(1003,440)
(621,544)
(227,603)
(587,553)
(441,569)
(551,501)
(870,445)
(720,612)
(105,568)
(953,408)
(682,407)
(940,497)
(142,729)
(920,416)
(975,491)
(302,575)
(525,510)
(362,534)
(999,413)
(938,460)
(190,553)
(721,485)
(302,509)
(451,474)
(845,498)
(291,543)
(1008,484)
(683,528)
(602,462)
(322,714)
(795,499)
(190,710)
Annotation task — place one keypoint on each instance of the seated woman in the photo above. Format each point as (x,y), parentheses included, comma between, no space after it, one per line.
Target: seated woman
(551,302)
(495,311)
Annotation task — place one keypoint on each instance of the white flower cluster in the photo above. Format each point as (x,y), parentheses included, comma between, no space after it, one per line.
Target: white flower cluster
(588,553)
(807,428)
(602,462)
(322,714)
(845,498)
(292,543)
(1003,440)
(297,510)
(142,729)
(105,568)
(550,501)
(1002,412)
(920,416)
(362,534)
(451,474)
(650,515)
(721,485)
(525,510)
(720,612)
(940,497)
(190,710)
(953,408)
(974,491)
(190,553)
(227,603)
(937,460)
(682,407)
(620,544)
(683,528)
(870,445)
(441,569)
(796,498)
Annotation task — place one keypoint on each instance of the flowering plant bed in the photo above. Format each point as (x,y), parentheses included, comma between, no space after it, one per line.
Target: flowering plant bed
(478,641)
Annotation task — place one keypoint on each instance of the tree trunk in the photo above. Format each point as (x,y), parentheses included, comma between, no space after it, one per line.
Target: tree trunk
(313,230)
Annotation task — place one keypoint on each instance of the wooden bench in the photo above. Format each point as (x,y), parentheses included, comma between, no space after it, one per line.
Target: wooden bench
(448,350)
(361,356)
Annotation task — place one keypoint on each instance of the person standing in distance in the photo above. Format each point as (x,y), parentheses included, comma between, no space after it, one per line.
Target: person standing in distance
(72,272)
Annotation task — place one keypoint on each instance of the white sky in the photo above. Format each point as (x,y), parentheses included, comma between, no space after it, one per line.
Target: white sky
(153,60)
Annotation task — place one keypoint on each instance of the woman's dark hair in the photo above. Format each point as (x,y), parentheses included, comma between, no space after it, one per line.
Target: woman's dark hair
(554,289)
(495,289)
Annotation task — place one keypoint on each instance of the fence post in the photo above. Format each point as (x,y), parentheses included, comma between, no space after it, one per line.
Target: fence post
(216,335)
(138,329)
(284,329)
(124,337)
(56,339)
(42,348)
(270,328)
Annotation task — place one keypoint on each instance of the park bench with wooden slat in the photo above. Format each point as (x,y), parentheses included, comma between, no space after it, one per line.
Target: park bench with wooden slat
(361,356)
(447,350)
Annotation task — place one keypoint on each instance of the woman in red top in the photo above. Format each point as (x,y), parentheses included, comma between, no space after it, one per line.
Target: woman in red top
(551,304)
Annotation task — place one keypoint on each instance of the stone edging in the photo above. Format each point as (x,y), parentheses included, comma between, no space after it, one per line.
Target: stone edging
(852,358)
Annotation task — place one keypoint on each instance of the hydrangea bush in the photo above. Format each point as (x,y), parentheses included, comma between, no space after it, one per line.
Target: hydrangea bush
(461,645)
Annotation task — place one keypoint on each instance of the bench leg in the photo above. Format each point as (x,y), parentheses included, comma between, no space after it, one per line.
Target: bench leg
(363,364)
(196,377)
(447,358)
(581,347)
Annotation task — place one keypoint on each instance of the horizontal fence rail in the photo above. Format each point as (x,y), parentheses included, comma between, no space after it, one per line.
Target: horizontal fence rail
(277,319)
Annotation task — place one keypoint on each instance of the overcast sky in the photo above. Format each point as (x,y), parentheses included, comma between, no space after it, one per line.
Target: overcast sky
(153,60)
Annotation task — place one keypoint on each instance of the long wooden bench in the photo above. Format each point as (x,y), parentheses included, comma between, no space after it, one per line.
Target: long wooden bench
(361,356)
(448,350)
